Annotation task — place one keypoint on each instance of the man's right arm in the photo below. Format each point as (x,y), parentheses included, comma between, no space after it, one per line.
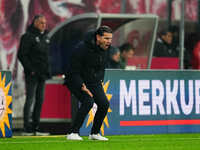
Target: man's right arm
(23,52)
(76,67)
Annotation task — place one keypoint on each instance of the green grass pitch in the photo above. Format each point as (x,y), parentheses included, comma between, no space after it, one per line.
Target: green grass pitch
(121,142)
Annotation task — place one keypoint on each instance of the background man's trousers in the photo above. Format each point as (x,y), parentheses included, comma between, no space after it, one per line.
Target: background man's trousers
(87,102)
(34,89)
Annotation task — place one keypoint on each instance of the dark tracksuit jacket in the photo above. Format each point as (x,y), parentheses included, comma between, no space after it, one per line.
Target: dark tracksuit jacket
(33,52)
(88,63)
(162,49)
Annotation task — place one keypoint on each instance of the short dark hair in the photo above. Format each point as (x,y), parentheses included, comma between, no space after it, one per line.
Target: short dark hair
(36,17)
(102,29)
(164,32)
(126,47)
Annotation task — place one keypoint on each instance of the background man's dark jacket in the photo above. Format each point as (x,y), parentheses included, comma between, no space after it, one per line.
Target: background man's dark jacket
(162,49)
(33,52)
(87,63)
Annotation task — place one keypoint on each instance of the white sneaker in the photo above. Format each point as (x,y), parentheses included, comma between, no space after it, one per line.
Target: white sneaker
(41,133)
(74,136)
(27,134)
(97,137)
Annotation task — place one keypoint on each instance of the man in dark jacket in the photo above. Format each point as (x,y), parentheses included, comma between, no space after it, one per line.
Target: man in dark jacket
(33,55)
(126,52)
(85,79)
(163,46)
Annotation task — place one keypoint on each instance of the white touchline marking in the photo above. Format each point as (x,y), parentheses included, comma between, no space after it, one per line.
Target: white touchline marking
(111,140)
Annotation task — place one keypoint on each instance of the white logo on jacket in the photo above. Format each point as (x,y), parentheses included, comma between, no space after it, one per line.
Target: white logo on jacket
(47,40)
(37,39)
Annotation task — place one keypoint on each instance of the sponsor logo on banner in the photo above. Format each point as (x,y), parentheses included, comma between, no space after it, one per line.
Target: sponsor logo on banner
(5,110)
(160,98)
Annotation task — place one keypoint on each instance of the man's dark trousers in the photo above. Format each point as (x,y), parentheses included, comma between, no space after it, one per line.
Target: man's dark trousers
(34,89)
(87,102)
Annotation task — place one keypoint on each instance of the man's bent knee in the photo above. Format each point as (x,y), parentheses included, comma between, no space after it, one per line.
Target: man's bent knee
(89,103)
(104,106)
